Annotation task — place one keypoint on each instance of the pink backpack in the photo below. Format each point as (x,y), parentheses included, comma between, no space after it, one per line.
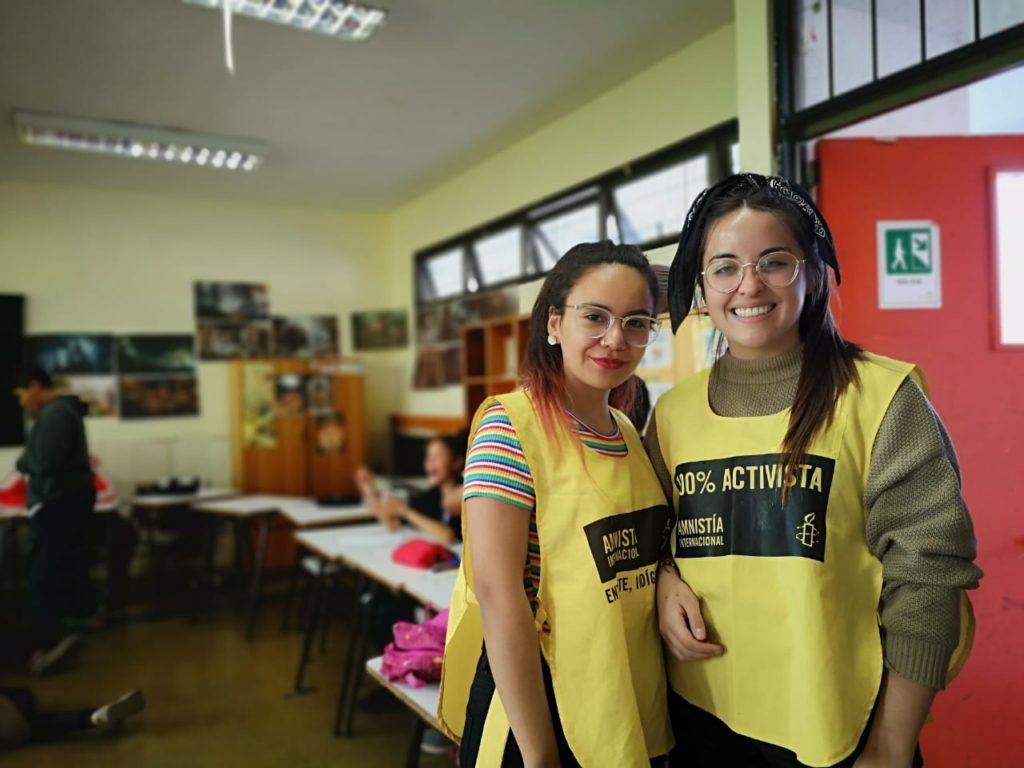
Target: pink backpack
(414,657)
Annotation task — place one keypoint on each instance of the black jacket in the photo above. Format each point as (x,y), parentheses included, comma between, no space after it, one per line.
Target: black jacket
(56,457)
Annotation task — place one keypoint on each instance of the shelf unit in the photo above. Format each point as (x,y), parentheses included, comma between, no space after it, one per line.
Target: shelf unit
(492,351)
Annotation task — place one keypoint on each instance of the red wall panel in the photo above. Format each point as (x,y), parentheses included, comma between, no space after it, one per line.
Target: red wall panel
(977,390)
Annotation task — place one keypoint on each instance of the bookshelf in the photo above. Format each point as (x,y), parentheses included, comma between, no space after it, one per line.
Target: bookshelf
(492,351)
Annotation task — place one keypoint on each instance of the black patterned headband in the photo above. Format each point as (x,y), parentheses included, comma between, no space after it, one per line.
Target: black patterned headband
(682,278)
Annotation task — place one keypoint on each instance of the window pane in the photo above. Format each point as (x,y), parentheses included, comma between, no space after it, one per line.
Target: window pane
(653,206)
(1010,255)
(851,45)
(949,23)
(445,272)
(554,236)
(499,257)
(997,15)
(899,35)
(811,43)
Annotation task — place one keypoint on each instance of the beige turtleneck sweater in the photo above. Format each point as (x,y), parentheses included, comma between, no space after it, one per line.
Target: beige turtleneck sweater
(917,522)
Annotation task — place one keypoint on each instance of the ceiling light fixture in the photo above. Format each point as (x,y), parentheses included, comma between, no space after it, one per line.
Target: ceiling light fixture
(334,18)
(141,142)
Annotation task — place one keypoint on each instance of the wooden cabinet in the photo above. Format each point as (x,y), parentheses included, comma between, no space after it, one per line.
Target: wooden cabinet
(492,351)
(293,436)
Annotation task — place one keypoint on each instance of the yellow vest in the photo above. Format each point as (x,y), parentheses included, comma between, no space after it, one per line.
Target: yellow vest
(600,521)
(791,590)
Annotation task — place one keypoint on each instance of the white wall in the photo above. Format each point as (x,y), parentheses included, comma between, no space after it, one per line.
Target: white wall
(99,261)
(682,95)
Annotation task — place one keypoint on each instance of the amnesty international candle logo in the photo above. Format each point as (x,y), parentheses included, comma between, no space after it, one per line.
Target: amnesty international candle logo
(625,549)
(806,533)
(735,506)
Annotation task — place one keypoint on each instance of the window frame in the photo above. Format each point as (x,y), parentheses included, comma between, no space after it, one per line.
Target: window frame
(715,143)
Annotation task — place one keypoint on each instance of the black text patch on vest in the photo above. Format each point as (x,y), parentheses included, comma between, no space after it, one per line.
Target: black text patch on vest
(734,507)
(623,543)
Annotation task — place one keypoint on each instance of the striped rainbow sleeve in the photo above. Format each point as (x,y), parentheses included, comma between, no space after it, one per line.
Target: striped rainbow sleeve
(495,464)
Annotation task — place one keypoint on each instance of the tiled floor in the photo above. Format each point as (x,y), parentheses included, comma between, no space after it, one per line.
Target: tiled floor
(213,700)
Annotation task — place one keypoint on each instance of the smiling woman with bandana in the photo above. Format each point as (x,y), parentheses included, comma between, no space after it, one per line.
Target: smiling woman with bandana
(813,599)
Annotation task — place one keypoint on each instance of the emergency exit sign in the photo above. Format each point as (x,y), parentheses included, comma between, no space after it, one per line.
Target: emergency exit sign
(909,265)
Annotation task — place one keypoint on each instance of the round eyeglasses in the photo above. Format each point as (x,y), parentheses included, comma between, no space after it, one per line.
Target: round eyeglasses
(637,330)
(776,270)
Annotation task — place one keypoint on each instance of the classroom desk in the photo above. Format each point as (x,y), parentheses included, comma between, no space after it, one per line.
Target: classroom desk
(366,550)
(172,501)
(422,701)
(300,512)
(239,510)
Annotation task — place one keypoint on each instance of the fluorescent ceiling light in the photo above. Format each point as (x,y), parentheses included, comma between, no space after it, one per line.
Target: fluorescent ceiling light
(346,21)
(138,141)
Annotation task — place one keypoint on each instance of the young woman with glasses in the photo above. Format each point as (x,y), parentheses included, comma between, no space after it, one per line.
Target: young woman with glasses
(553,655)
(813,598)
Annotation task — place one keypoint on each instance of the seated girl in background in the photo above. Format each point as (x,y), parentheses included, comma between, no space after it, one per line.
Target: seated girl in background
(436,511)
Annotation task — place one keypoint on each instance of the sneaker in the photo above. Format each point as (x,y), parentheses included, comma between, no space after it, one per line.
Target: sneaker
(42,660)
(110,714)
(434,742)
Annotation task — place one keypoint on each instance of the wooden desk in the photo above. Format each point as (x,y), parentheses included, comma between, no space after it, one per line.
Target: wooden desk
(422,701)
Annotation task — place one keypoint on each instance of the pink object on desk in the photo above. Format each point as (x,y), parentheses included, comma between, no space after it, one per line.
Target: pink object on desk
(420,553)
(414,657)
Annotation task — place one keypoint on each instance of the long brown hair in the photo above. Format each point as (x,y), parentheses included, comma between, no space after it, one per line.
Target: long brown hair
(828,365)
(542,372)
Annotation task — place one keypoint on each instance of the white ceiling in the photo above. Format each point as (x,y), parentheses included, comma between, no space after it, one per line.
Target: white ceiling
(355,125)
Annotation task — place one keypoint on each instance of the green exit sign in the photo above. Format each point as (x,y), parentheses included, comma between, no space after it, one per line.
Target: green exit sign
(909,252)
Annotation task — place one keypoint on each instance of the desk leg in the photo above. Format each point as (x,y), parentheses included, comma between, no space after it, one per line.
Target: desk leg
(204,583)
(257,575)
(310,630)
(353,671)
(412,756)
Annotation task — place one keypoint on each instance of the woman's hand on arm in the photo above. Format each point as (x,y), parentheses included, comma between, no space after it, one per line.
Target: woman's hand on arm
(680,620)
(498,534)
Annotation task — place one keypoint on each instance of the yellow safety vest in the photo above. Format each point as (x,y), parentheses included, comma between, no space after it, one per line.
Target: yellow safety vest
(600,521)
(791,590)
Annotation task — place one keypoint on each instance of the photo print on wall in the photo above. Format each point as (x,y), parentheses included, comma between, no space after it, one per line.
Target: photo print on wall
(73,353)
(232,320)
(380,329)
(306,336)
(439,333)
(99,393)
(219,340)
(156,353)
(150,397)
